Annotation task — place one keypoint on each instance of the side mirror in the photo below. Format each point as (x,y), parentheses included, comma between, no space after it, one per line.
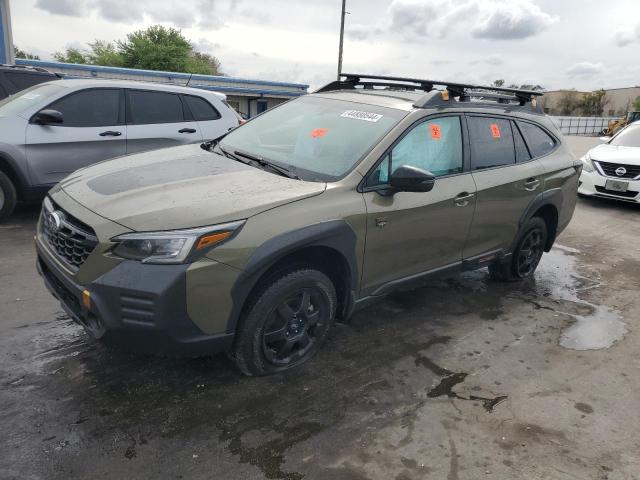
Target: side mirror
(604,139)
(48,117)
(412,179)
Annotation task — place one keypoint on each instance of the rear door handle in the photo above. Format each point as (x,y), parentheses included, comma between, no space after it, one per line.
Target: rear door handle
(531,184)
(462,200)
(110,133)
(187,130)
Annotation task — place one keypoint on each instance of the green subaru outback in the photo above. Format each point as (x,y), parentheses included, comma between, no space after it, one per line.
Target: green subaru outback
(256,242)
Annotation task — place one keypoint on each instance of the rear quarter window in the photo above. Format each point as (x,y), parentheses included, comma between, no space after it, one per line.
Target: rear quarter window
(201,109)
(22,80)
(539,142)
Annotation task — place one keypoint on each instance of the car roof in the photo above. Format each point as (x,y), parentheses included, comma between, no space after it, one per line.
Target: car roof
(406,100)
(78,83)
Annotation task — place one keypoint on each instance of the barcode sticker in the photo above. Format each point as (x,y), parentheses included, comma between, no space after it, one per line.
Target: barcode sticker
(359,115)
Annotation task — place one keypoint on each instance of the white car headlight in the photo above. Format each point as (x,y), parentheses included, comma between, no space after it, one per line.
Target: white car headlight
(175,246)
(587,164)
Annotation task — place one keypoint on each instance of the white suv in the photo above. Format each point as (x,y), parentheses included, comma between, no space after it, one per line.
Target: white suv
(55,128)
(612,170)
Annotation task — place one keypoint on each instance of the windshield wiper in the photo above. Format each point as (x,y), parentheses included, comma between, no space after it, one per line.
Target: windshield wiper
(212,143)
(285,172)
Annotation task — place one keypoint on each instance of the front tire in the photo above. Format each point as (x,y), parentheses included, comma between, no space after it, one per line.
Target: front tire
(526,256)
(285,322)
(8,196)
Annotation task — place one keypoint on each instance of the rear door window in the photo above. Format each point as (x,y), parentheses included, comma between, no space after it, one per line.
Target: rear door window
(146,107)
(540,142)
(97,107)
(201,109)
(491,142)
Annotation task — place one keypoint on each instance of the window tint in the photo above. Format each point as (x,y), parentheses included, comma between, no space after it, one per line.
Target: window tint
(89,108)
(522,154)
(154,107)
(539,142)
(201,109)
(434,146)
(3,92)
(22,80)
(491,142)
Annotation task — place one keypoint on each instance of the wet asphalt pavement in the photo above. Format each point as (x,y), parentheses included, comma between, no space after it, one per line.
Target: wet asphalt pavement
(463,378)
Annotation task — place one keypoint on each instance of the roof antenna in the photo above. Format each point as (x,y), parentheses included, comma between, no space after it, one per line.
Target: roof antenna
(191,75)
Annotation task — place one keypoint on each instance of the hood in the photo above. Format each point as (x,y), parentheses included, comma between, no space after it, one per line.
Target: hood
(616,154)
(181,187)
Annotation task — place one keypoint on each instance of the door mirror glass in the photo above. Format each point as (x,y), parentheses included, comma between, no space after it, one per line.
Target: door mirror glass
(412,179)
(48,117)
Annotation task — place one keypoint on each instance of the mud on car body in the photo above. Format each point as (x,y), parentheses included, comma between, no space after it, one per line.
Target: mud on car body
(256,242)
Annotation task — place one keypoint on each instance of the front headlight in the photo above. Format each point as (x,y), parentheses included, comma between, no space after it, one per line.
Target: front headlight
(175,246)
(587,164)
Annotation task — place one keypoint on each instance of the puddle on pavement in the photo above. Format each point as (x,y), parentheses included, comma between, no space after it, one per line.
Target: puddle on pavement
(557,277)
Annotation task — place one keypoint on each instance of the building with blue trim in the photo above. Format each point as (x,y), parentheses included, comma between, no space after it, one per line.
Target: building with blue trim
(249,97)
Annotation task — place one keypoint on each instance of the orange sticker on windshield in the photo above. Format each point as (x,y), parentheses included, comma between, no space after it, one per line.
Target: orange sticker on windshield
(319,132)
(495,131)
(436,133)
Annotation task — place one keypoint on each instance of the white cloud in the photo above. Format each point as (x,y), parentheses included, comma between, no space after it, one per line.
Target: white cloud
(627,37)
(417,20)
(585,69)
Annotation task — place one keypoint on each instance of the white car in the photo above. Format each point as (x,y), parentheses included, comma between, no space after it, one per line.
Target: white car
(54,128)
(612,170)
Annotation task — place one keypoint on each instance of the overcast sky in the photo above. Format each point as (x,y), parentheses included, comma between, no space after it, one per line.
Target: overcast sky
(585,44)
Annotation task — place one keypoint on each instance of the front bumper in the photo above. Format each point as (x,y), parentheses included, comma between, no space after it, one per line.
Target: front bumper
(594,184)
(136,306)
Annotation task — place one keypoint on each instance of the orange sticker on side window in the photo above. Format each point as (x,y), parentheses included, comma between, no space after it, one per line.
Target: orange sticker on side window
(436,133)
(495,131)
(319,132)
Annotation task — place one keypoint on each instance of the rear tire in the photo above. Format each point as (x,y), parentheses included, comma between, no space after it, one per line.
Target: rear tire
(285,322)
(526,256)
(8,196)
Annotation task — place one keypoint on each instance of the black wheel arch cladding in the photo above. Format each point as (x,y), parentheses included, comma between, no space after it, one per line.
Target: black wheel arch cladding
(550,198)
(336,235)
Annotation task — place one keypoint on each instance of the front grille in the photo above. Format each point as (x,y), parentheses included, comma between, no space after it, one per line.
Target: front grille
(627,194)
(609,169)
(68,238)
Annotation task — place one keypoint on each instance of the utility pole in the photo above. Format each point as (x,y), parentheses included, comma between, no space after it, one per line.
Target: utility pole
(6,40)
(341,38)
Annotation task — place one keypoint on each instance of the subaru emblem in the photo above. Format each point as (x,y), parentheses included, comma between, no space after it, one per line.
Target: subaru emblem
(55,220)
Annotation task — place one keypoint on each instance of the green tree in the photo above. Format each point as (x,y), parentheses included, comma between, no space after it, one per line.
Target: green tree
(104,53)
(498,83)
(568,102)
(156,48)
(636,104)
(22,54)
(208,64)
(71,55)
(593,103)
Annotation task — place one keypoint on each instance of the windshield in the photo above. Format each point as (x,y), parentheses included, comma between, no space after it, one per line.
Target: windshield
(318,138)
(629,137)
(26,98)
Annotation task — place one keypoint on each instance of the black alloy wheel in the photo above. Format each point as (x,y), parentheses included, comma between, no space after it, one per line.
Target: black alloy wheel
(530,252)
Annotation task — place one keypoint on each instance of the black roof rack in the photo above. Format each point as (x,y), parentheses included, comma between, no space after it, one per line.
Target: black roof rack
(464,91)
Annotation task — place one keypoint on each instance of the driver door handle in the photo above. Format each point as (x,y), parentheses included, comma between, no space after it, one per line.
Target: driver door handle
(187,130)
(110,133)
(462,200)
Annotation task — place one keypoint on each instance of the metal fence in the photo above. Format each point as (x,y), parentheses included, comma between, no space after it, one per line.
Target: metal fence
(588,126)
